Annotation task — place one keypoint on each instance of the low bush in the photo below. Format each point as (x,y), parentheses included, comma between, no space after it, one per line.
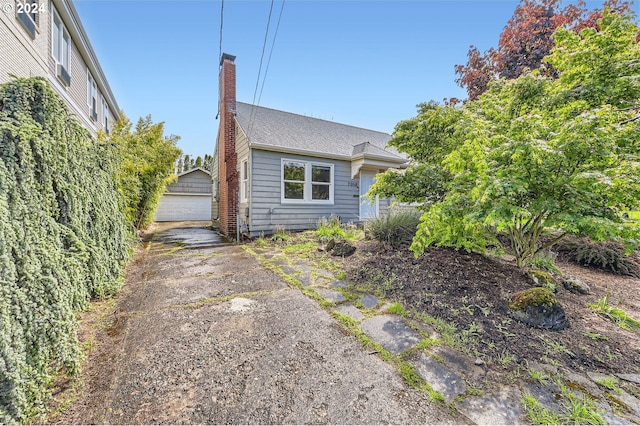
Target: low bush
(607,256)
(395,228)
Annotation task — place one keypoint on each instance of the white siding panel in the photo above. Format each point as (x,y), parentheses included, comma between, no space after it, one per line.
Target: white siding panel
(176,208)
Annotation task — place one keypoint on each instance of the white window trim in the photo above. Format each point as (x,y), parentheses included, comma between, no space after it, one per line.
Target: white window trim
(105,114)
(92,94)
(244,181)
(307,182)
(58,40)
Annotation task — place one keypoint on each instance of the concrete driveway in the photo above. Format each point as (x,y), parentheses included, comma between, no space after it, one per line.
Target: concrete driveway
(203,333)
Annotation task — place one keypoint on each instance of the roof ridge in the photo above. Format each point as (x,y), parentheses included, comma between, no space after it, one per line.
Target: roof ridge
(313,118)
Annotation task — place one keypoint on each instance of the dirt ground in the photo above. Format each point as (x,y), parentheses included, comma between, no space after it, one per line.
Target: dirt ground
(472,293)
(209,336)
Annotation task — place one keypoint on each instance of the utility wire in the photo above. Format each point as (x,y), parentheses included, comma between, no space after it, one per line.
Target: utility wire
(220,54)
(264,45)
(255,92)
(266,70)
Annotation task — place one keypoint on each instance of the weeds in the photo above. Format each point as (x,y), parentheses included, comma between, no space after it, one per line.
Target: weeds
(280,234)
(610,383)
(614,314)
(397,308)
(537,413)
(333,229)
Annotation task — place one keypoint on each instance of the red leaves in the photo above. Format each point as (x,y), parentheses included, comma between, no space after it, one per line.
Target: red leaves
(526,40)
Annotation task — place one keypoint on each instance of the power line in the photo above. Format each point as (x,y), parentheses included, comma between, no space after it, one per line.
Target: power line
(220,53)
(253,103)
(264,45)
(221,22)
(266,70)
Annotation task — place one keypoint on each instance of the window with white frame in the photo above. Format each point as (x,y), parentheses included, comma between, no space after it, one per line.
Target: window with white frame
(105,115)
(92,95)
(27,13)
(60,46)
(244,180)
(307,181)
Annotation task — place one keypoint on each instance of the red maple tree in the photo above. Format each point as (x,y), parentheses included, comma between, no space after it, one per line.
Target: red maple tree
(526,40)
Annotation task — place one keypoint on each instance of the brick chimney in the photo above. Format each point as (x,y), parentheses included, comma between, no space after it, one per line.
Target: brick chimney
(229,179)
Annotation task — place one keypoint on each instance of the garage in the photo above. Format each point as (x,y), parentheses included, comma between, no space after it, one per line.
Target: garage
(179,207)
(188,198)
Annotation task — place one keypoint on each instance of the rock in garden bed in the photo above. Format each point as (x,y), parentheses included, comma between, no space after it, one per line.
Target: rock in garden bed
(539,308)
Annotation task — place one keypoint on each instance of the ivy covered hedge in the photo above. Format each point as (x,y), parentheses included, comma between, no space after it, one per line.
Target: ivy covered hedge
(63,239)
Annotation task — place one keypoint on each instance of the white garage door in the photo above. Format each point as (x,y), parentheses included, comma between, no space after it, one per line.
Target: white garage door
(176,208)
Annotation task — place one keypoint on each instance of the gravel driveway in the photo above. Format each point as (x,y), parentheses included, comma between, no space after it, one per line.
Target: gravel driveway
(205,334)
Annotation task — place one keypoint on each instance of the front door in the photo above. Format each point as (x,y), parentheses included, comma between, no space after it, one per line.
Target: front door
(368,209)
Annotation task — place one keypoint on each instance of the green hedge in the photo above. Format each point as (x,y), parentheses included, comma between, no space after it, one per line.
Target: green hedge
(63,240)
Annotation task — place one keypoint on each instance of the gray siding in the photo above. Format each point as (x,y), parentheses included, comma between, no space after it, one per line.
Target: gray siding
(265,181)
(383,206)
(242,151)
(196,182)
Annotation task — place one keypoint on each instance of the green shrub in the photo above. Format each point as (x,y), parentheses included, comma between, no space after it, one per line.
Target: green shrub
(396,228)
(145,159)
(607,256)
(63,240)
(332,229)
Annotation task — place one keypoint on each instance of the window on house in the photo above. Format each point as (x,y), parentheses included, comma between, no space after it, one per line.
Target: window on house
(307,181)
(92,96)
(27,13)
(105,115)
(244,180)
(60,46)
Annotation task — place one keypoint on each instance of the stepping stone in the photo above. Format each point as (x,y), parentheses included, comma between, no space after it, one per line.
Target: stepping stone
(303,267)
(587,384)
(322,281)
(441,378)
(368,301)
(325,273)
(331,295)
(633,378)
(338,284)
(459,362)
(288,270)
(632,403)
(349,310)
(391,332)
(546,393)
(497,409)
(305,279)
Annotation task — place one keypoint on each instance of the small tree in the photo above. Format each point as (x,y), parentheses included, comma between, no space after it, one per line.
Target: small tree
(527,40)
(147,160)
(539,153)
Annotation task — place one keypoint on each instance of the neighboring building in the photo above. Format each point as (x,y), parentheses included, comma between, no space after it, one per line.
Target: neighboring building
(189,198)
(276,169)
(45,38)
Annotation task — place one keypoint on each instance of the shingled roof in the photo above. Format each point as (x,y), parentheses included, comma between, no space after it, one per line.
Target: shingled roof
(278,130)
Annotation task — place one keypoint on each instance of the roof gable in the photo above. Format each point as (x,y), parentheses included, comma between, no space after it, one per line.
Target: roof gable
(194,170)
(278,130)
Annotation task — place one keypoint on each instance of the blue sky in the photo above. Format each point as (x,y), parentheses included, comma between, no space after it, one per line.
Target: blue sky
(364,63)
